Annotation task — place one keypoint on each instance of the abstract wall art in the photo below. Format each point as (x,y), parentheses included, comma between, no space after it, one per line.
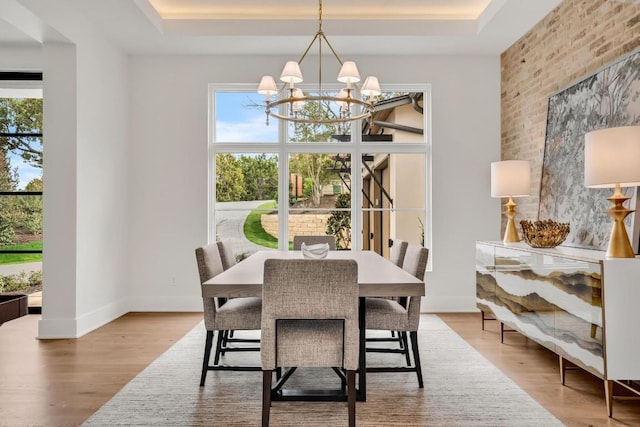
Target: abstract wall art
(608,98)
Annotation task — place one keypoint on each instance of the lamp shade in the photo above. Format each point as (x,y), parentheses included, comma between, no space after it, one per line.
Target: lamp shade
(611,157)
(267,86)
(510,178)
(291,73)
(349,73)
(371,87)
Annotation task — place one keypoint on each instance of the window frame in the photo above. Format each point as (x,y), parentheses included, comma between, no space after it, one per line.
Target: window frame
(283,148)
(22,76)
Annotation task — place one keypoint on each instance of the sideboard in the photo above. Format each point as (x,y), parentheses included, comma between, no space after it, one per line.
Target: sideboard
(573,301)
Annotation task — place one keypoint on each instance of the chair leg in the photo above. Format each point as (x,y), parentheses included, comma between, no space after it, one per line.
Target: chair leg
(405,346)
(225,337)
(207,355)
(351,397)
(216,358)
(266,397)
(416,356)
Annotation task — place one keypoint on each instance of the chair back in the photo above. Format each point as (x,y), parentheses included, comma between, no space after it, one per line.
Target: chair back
(415,260)
(209,265)
(398,252)
(314,240)
(226,254)
(310,289)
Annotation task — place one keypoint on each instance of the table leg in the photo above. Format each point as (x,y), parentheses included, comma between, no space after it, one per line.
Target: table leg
(361,395)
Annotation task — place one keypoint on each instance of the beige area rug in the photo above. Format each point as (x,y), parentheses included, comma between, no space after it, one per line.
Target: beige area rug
(461,389)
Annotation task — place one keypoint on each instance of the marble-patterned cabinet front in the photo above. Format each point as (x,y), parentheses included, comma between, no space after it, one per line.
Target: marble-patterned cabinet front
(573,301)
(552,298)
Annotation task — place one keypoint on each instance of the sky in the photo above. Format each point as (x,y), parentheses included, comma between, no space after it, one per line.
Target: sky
(240,116)
(22,89)
(26,172)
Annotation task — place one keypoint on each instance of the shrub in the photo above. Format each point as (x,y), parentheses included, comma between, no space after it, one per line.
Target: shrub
(20,282)
(339,223)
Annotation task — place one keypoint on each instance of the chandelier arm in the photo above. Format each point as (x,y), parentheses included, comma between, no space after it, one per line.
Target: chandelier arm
(309,46)
(335,54)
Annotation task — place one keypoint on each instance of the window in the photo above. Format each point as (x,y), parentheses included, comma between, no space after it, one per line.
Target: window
(21,185)
(272,181)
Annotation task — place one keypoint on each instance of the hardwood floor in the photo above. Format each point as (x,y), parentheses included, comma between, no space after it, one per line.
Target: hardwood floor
(580,402)
(62,382)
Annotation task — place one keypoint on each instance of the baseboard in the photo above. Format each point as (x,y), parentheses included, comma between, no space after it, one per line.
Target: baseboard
(164,303)
(62,328)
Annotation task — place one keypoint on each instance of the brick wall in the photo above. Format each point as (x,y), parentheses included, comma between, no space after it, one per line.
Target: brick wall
(575,40)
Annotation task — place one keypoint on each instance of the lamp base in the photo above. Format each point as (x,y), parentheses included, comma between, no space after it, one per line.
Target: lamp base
(510,232)
(619,245)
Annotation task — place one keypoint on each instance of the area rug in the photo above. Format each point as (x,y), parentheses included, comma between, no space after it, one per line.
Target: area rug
(461,388)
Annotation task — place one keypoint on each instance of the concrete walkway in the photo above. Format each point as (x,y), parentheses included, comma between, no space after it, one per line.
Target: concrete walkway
(230,218)
(8,269)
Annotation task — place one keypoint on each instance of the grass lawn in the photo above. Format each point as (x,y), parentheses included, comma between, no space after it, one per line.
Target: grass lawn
(253,227)
(21,258)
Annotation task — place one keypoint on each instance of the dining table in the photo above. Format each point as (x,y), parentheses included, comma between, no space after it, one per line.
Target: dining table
(377,277)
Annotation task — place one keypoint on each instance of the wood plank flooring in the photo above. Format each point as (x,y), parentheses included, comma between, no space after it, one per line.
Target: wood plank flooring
(580,402)
(62,382)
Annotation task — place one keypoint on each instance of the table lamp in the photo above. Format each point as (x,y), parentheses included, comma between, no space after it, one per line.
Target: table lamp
(612,160)
(510,178)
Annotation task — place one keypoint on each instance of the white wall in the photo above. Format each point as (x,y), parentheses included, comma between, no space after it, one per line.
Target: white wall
(126,173)
(20,58)
(168,186)
(86,175)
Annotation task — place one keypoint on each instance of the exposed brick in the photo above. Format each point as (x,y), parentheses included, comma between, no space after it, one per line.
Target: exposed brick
(575,40)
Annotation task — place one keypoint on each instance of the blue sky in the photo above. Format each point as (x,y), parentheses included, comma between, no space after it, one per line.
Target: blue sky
(26,172)
(237,121)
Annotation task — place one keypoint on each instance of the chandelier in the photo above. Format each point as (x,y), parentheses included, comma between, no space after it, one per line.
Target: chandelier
(351,102)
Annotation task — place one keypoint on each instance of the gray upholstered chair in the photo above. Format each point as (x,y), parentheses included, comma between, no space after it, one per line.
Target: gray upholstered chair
(228,259)
(398,251)
(314,240)
(401,315)
(226,254)
(235,314)
(309,319)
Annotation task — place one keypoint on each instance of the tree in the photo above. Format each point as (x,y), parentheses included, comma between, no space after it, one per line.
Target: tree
(31,208)
(339,223)
(229,179)
(260,177)
(19,115)
(22,115)
(314,167)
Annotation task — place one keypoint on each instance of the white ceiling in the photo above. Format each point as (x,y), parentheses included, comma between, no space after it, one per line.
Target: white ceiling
(286,26)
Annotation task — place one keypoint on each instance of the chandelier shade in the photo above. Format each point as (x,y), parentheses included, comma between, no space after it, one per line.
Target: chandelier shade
(267,86)
(352,103)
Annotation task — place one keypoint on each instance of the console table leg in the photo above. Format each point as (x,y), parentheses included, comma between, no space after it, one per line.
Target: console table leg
(608,395)
(563,367)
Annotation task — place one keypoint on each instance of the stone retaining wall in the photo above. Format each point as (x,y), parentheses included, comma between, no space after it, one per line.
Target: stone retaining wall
(299,225)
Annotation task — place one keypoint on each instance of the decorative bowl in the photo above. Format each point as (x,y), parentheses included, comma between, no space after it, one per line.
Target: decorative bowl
(544,234)
(318,251)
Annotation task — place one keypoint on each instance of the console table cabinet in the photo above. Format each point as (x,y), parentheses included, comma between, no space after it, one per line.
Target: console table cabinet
(573,301)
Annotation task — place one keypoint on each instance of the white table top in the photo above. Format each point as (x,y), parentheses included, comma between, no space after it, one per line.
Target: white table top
(377,276)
